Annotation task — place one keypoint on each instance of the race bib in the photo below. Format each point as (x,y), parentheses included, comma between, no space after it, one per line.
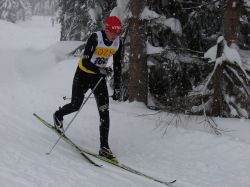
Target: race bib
(104,52)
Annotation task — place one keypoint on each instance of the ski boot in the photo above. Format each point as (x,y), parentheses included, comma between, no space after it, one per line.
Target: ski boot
(106,152)
(58,123)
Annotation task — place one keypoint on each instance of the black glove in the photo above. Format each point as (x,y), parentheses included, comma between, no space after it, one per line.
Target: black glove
(106,71)
(117,94)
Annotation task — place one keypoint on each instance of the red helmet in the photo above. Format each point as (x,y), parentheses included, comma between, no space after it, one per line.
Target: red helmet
(113,24)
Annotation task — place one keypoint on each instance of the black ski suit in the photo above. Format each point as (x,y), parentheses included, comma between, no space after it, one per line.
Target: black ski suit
(84,81)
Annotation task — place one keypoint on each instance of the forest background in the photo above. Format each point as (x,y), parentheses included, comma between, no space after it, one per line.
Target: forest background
(179,56)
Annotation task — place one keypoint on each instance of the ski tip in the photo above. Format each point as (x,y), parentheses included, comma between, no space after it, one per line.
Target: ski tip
(99,166)
(169,183)
(173,181)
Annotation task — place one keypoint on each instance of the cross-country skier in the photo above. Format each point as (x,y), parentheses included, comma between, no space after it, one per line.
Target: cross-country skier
(100,46)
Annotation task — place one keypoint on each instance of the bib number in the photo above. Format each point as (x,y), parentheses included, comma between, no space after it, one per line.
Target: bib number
(100,61)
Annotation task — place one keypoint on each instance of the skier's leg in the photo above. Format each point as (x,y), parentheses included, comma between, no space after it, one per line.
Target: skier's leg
(102,100)
(79,88)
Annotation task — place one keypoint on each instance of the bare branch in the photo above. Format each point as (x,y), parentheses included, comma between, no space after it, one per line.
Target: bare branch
(201,6)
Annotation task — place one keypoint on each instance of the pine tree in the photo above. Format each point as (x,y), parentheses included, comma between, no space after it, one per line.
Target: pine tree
(138,72)
(26,10)
(13,10)
(80,18)
(183,30)
(173,79)
(8,10)
(44,7)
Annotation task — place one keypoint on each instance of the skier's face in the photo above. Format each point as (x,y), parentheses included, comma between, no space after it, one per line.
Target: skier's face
(111,35)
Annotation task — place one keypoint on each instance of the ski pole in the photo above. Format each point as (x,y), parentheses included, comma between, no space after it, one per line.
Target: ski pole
(48,153)
(69,98)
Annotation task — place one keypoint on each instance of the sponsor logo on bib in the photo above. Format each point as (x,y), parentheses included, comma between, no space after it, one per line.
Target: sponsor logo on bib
(104,52)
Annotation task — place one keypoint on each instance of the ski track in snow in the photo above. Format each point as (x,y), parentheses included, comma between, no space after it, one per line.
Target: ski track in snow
(35,74)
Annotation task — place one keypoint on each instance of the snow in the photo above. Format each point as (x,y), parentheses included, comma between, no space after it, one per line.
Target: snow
(36,73)
(247,2)
(173,23)
(123,13)
(153,50)
(92,14)
(245,55)
(229,54)
(121,10)
(149,14)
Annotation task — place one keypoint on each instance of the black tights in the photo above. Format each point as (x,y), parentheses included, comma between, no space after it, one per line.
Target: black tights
(81,84)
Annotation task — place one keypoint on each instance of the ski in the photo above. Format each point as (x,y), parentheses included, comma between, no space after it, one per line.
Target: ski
(66,139)
(84,151)
(125,167)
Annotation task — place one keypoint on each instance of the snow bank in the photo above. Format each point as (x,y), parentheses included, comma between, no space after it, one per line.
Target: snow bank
(10,35)
(15,36)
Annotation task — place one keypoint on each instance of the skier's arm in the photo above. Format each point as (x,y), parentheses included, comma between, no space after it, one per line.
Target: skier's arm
(88,53)
(117,60)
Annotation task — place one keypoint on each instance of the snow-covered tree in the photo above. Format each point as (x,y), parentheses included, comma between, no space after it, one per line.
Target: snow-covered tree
(178,70)
(13,10)
(176,36)
(8,10)
(26,11)
(44,7)
(80,18)
(243,39)
(226,89)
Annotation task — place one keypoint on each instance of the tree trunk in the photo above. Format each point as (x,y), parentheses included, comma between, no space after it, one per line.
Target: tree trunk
(231,20)
(138,74)
(217,79)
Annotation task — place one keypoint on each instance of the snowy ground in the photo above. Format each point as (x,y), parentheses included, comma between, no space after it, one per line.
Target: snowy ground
(34,76)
